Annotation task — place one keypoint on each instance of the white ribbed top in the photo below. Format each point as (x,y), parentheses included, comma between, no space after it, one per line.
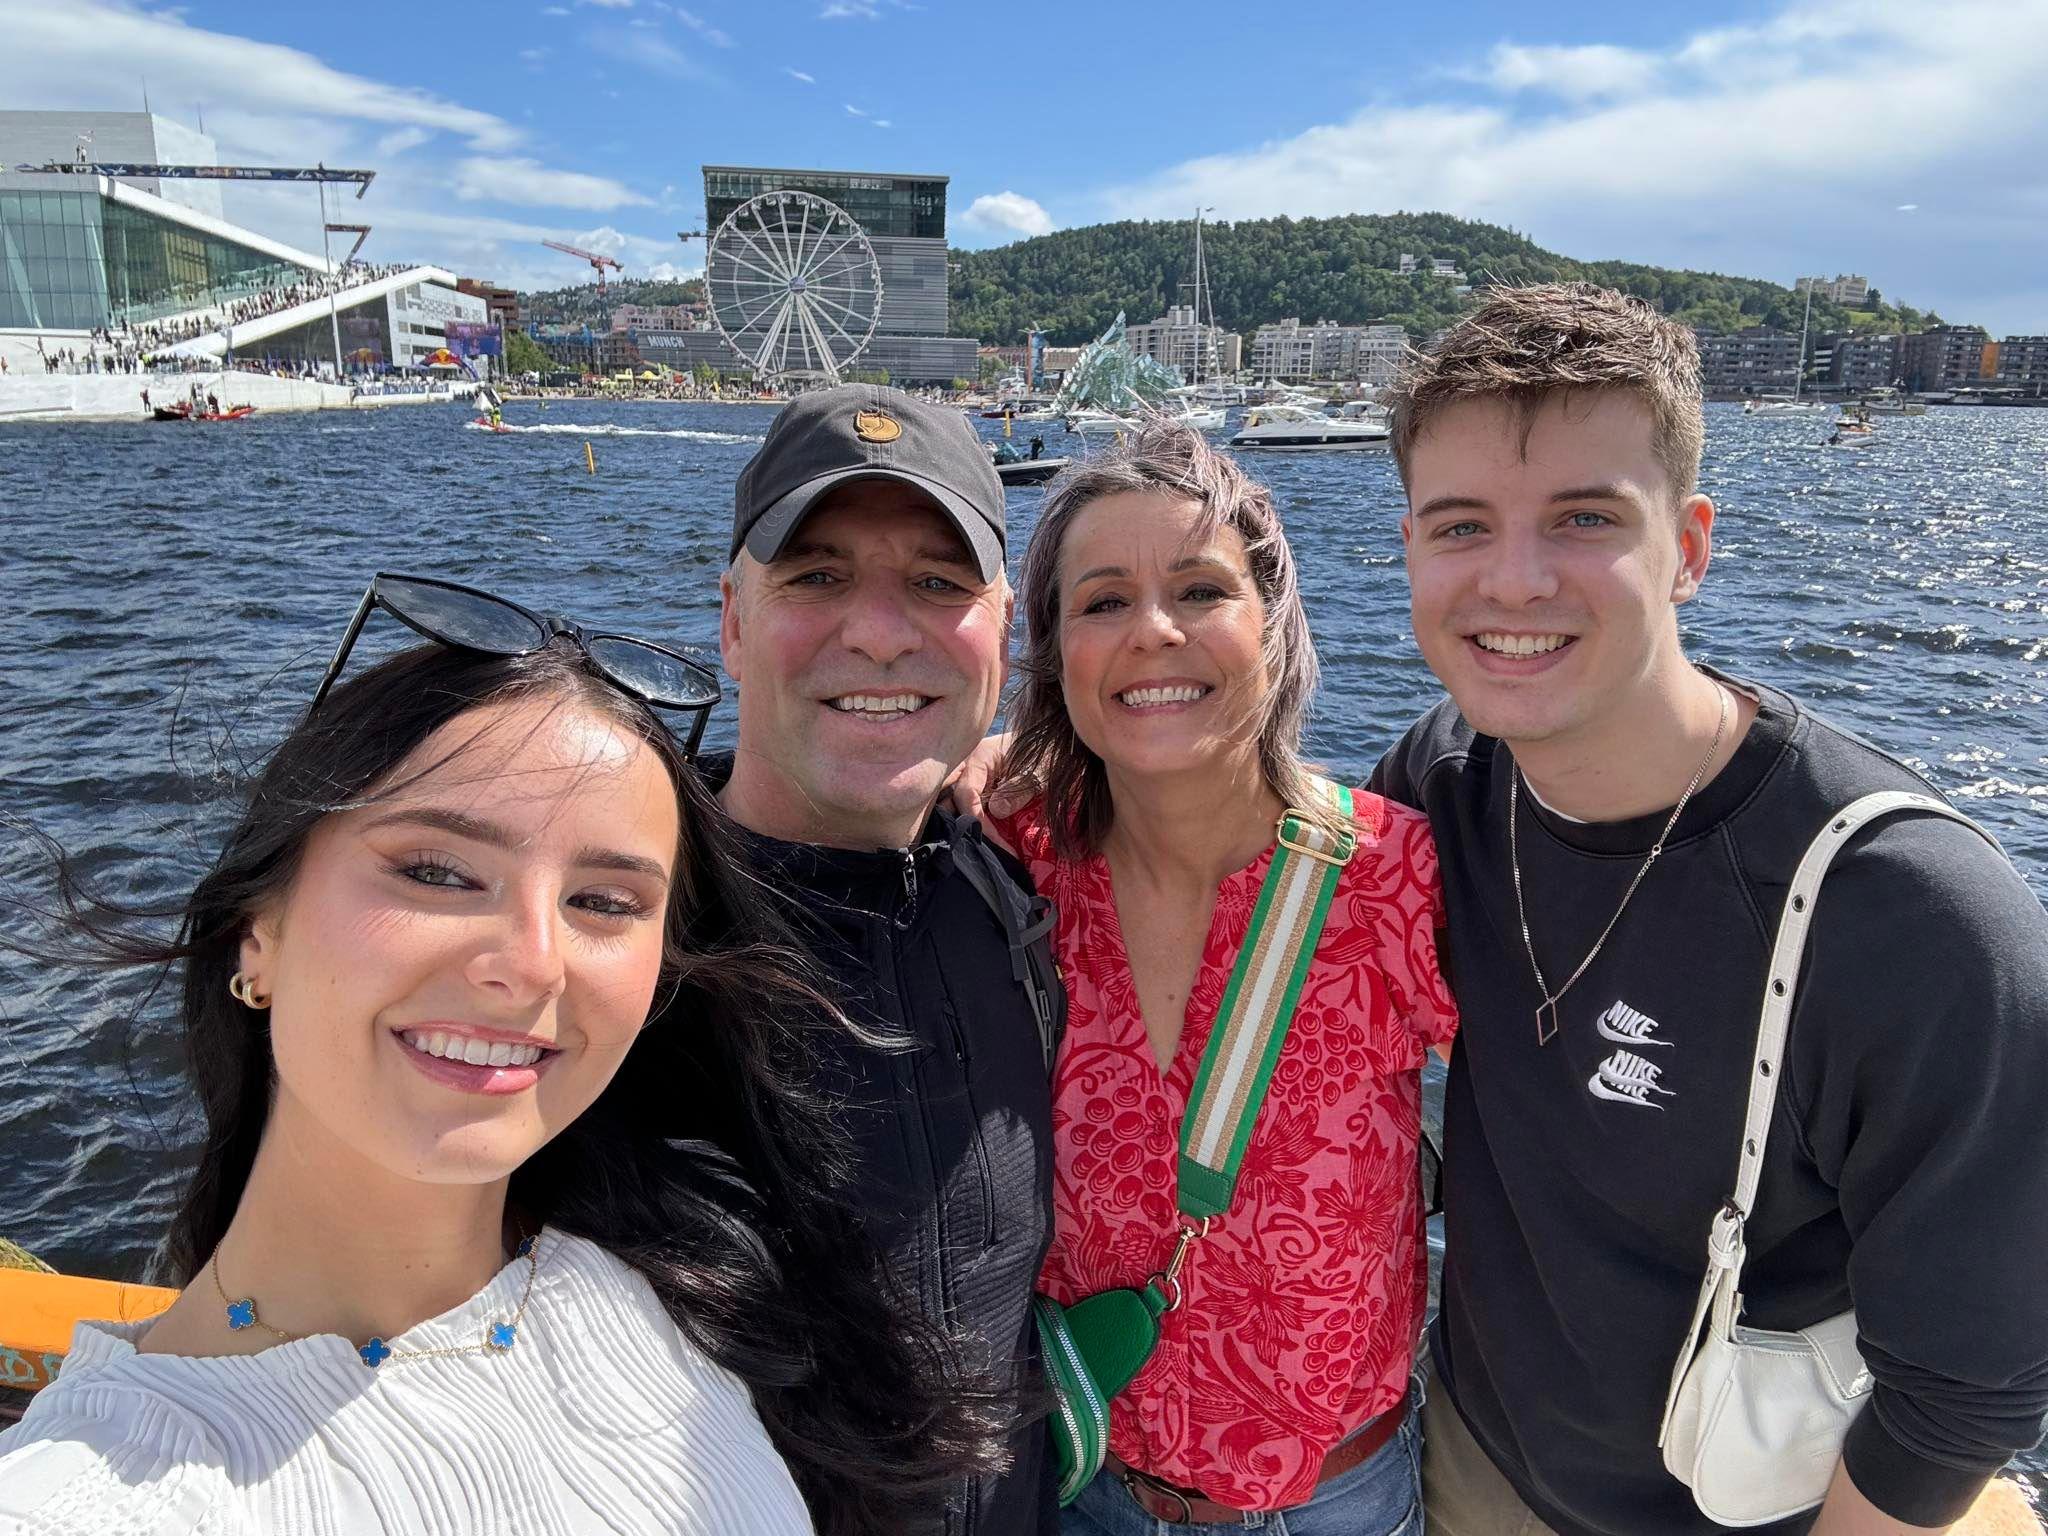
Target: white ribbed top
(602,1418)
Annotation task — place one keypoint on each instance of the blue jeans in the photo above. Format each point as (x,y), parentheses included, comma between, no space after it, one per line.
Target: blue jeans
(1381,1496)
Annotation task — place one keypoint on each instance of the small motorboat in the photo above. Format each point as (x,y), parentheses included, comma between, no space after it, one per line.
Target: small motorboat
(1016,467)
(1030,471)
(485,423)
(183,412)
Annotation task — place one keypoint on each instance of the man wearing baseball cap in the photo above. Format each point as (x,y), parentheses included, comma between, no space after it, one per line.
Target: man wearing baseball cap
(866,621)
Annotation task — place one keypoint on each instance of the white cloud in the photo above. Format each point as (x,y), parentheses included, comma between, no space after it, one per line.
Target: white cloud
(533,55)
(797,74)
(1765,149)
(392,145)
(653,53)
(96,41)
(856,111)
(1010,212)
(883,122)
(851,10)
(1907,208)
(527,183)
(1575,73)
(703,28)
(554,10)
(609,5)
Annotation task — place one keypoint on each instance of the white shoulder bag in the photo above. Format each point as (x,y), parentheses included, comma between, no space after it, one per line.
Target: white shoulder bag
(1754,1421)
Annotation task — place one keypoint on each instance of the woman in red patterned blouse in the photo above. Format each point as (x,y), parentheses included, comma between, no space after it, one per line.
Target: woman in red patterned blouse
(1168,669)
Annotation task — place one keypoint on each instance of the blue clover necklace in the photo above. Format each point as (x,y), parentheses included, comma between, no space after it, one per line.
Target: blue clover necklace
(499,1337)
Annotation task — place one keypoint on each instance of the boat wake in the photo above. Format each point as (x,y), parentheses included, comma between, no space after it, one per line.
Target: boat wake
(601,429)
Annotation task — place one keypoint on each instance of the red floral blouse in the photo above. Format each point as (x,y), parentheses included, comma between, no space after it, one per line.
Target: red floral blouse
(1304,1301)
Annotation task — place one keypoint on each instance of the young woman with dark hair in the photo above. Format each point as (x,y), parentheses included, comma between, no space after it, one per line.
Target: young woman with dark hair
(510,1211)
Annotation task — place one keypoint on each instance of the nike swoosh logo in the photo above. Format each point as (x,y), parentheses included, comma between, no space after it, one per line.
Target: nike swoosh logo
(1597,1086)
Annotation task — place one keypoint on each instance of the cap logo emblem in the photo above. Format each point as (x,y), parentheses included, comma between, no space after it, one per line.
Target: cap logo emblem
(876,427)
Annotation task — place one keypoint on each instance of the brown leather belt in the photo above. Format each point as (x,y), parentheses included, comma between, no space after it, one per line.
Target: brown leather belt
(1183,1506)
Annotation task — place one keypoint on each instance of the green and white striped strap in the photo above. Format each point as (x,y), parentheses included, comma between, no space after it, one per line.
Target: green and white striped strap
(1258,1007)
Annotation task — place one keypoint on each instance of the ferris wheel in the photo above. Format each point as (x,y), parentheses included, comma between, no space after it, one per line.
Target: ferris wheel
(794,285)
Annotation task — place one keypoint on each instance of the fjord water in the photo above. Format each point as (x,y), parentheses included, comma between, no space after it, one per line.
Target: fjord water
(170,593)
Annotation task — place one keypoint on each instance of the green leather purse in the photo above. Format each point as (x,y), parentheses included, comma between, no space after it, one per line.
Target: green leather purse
(1093,1348)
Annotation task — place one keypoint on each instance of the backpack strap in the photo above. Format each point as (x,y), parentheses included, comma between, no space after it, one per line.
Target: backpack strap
(1027,923)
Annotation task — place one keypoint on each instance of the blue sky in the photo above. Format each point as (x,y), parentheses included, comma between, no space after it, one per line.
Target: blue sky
(1902,139)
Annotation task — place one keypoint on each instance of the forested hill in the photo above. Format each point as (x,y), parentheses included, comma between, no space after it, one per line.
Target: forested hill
(583,304)
(1072,283)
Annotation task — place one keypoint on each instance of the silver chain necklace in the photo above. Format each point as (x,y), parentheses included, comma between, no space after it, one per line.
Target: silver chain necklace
(1546,1012)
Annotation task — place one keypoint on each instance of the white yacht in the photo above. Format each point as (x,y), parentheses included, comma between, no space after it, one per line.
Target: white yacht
(1090,422)
(1891,403)
(1093,423)
(1297,429)
(1203,418)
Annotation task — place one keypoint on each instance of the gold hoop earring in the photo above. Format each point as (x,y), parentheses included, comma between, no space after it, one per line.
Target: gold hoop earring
(243,989)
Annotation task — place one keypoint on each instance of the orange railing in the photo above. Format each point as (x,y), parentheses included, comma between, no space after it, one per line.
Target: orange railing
(38,1310)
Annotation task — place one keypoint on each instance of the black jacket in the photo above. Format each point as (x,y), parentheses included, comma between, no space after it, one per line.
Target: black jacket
(952,1138)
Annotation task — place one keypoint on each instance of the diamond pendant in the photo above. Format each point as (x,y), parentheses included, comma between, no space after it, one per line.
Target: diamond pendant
(1546,1021)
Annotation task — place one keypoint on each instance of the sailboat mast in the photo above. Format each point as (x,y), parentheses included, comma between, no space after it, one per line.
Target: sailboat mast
(1200,338)
(1799,370)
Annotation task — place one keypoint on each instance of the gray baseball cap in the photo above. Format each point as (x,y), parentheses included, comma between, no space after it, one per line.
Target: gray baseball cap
(830,437)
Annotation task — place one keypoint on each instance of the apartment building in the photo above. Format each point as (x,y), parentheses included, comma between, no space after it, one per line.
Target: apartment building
(1754,361)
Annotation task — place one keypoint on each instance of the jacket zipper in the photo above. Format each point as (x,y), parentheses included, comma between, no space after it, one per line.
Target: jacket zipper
(987,1178)
(907,913)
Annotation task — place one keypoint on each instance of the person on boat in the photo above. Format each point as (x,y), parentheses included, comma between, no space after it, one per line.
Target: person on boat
(212,403)
(510,1212)
(1037,446)
(866,619)
(1619,827)
(1168,669)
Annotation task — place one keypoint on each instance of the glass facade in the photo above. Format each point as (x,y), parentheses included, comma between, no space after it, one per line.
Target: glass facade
(75,260)
(881,205)
(53,272)
(157,268)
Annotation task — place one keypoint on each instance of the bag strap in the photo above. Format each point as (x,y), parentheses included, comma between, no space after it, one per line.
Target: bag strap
(1721,1290)
(1258,1005)
(1027,923)
(1786,956)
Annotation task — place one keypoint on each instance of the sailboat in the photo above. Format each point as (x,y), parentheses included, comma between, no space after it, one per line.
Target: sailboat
(1769,406)
(1193,412)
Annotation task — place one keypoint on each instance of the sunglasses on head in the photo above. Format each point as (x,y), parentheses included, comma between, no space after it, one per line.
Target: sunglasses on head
(452,614)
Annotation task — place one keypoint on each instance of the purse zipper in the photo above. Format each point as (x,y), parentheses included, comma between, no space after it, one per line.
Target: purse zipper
(1098,1412)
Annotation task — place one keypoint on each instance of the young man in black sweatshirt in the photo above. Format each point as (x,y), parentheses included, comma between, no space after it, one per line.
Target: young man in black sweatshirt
(1618,828)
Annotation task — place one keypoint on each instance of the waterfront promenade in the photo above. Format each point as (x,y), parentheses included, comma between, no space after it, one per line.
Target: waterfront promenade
(118,396)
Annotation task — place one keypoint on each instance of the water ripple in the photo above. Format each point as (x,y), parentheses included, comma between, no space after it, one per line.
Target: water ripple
(169,596)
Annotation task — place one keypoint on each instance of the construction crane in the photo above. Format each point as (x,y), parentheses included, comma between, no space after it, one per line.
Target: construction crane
(596,261)
(360,231)
(124,169)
